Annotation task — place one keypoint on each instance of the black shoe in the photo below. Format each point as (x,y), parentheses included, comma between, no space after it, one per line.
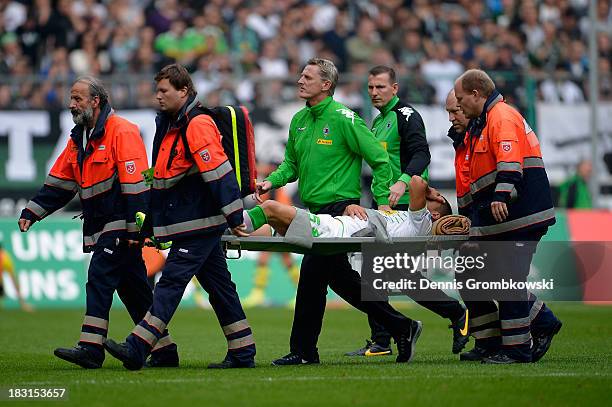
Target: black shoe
(542,341)
(501,359)
(123,352)
(461,334)
(163,359)
(371,349)
(293,359)
(475,355)
(407,342)
(81,356)
(228,363)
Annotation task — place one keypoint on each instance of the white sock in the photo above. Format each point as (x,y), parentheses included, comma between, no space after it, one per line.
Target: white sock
(247,222)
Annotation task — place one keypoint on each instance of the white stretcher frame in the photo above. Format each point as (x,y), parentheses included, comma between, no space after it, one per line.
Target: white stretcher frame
(323,246)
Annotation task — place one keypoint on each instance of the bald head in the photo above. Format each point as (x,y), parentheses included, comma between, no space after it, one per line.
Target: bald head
(455,114)
(472,89)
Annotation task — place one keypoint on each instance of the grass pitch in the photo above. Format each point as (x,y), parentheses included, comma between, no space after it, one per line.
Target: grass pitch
(576,371)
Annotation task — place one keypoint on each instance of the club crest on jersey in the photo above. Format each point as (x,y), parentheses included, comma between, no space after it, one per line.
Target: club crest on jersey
(205,155)
(388,125)
(130,167)
(326,130)
(506,146)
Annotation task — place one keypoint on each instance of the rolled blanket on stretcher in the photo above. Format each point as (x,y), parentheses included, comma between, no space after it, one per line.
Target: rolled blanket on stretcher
(451,225)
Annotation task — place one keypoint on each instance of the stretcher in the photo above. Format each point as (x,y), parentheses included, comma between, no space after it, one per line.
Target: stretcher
(326,246)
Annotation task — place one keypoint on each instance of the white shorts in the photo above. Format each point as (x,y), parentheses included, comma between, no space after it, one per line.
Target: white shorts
(399,224)
(335,226)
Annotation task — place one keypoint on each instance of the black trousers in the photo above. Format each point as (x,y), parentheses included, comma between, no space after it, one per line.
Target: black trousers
(445,306)
(122,269)
(201,257)
(319,272)
(518,312)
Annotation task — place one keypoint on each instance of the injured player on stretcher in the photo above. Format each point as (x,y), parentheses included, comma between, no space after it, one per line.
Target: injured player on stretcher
(425,208)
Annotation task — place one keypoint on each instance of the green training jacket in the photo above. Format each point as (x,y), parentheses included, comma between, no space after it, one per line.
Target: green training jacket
(400,130)
(574,193)
(326,145)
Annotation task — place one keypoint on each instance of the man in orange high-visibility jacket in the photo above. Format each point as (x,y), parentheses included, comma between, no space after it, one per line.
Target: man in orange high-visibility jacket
(511,202)
(102,162)
(194,199)
(484,320)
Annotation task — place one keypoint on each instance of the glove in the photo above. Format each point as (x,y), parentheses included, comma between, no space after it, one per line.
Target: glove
(146,232)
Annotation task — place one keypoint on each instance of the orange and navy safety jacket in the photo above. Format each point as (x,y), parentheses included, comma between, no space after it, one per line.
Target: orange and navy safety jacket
(106,173)
(506,165)
(462,172)
(194,191)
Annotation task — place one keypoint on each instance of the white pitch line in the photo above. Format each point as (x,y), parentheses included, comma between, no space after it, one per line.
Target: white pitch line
(148,380)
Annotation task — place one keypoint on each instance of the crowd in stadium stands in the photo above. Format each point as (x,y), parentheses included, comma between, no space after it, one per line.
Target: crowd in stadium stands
(238,50)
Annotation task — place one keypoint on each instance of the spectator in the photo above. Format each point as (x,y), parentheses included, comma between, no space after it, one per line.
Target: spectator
(264,20)
(11,52)
(89,59)
(460,47)
(550,12)
(362,46)
(271,63)
(125,13)
(441,71)
(30,39)
(161,13)
(411,54)
(122,49)
(244,42)
(574,192)
(577,61)
(605,79)
(13,14)
(89,9)
(212,27)
(180,44)
(540,37)
(531,26)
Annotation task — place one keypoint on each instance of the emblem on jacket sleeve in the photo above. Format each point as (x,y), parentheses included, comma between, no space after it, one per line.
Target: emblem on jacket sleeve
(349,114)
(406,111)
(205,155)
(130,167)
(506,146)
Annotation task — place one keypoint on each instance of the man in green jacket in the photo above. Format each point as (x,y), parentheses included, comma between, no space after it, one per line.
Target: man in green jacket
(400,130)
(327,143)
(574,192)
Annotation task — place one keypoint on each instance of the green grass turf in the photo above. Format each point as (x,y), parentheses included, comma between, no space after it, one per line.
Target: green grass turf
(576,371)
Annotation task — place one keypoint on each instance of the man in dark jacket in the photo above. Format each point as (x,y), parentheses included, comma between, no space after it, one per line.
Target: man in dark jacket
(195,197)
(102,162)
